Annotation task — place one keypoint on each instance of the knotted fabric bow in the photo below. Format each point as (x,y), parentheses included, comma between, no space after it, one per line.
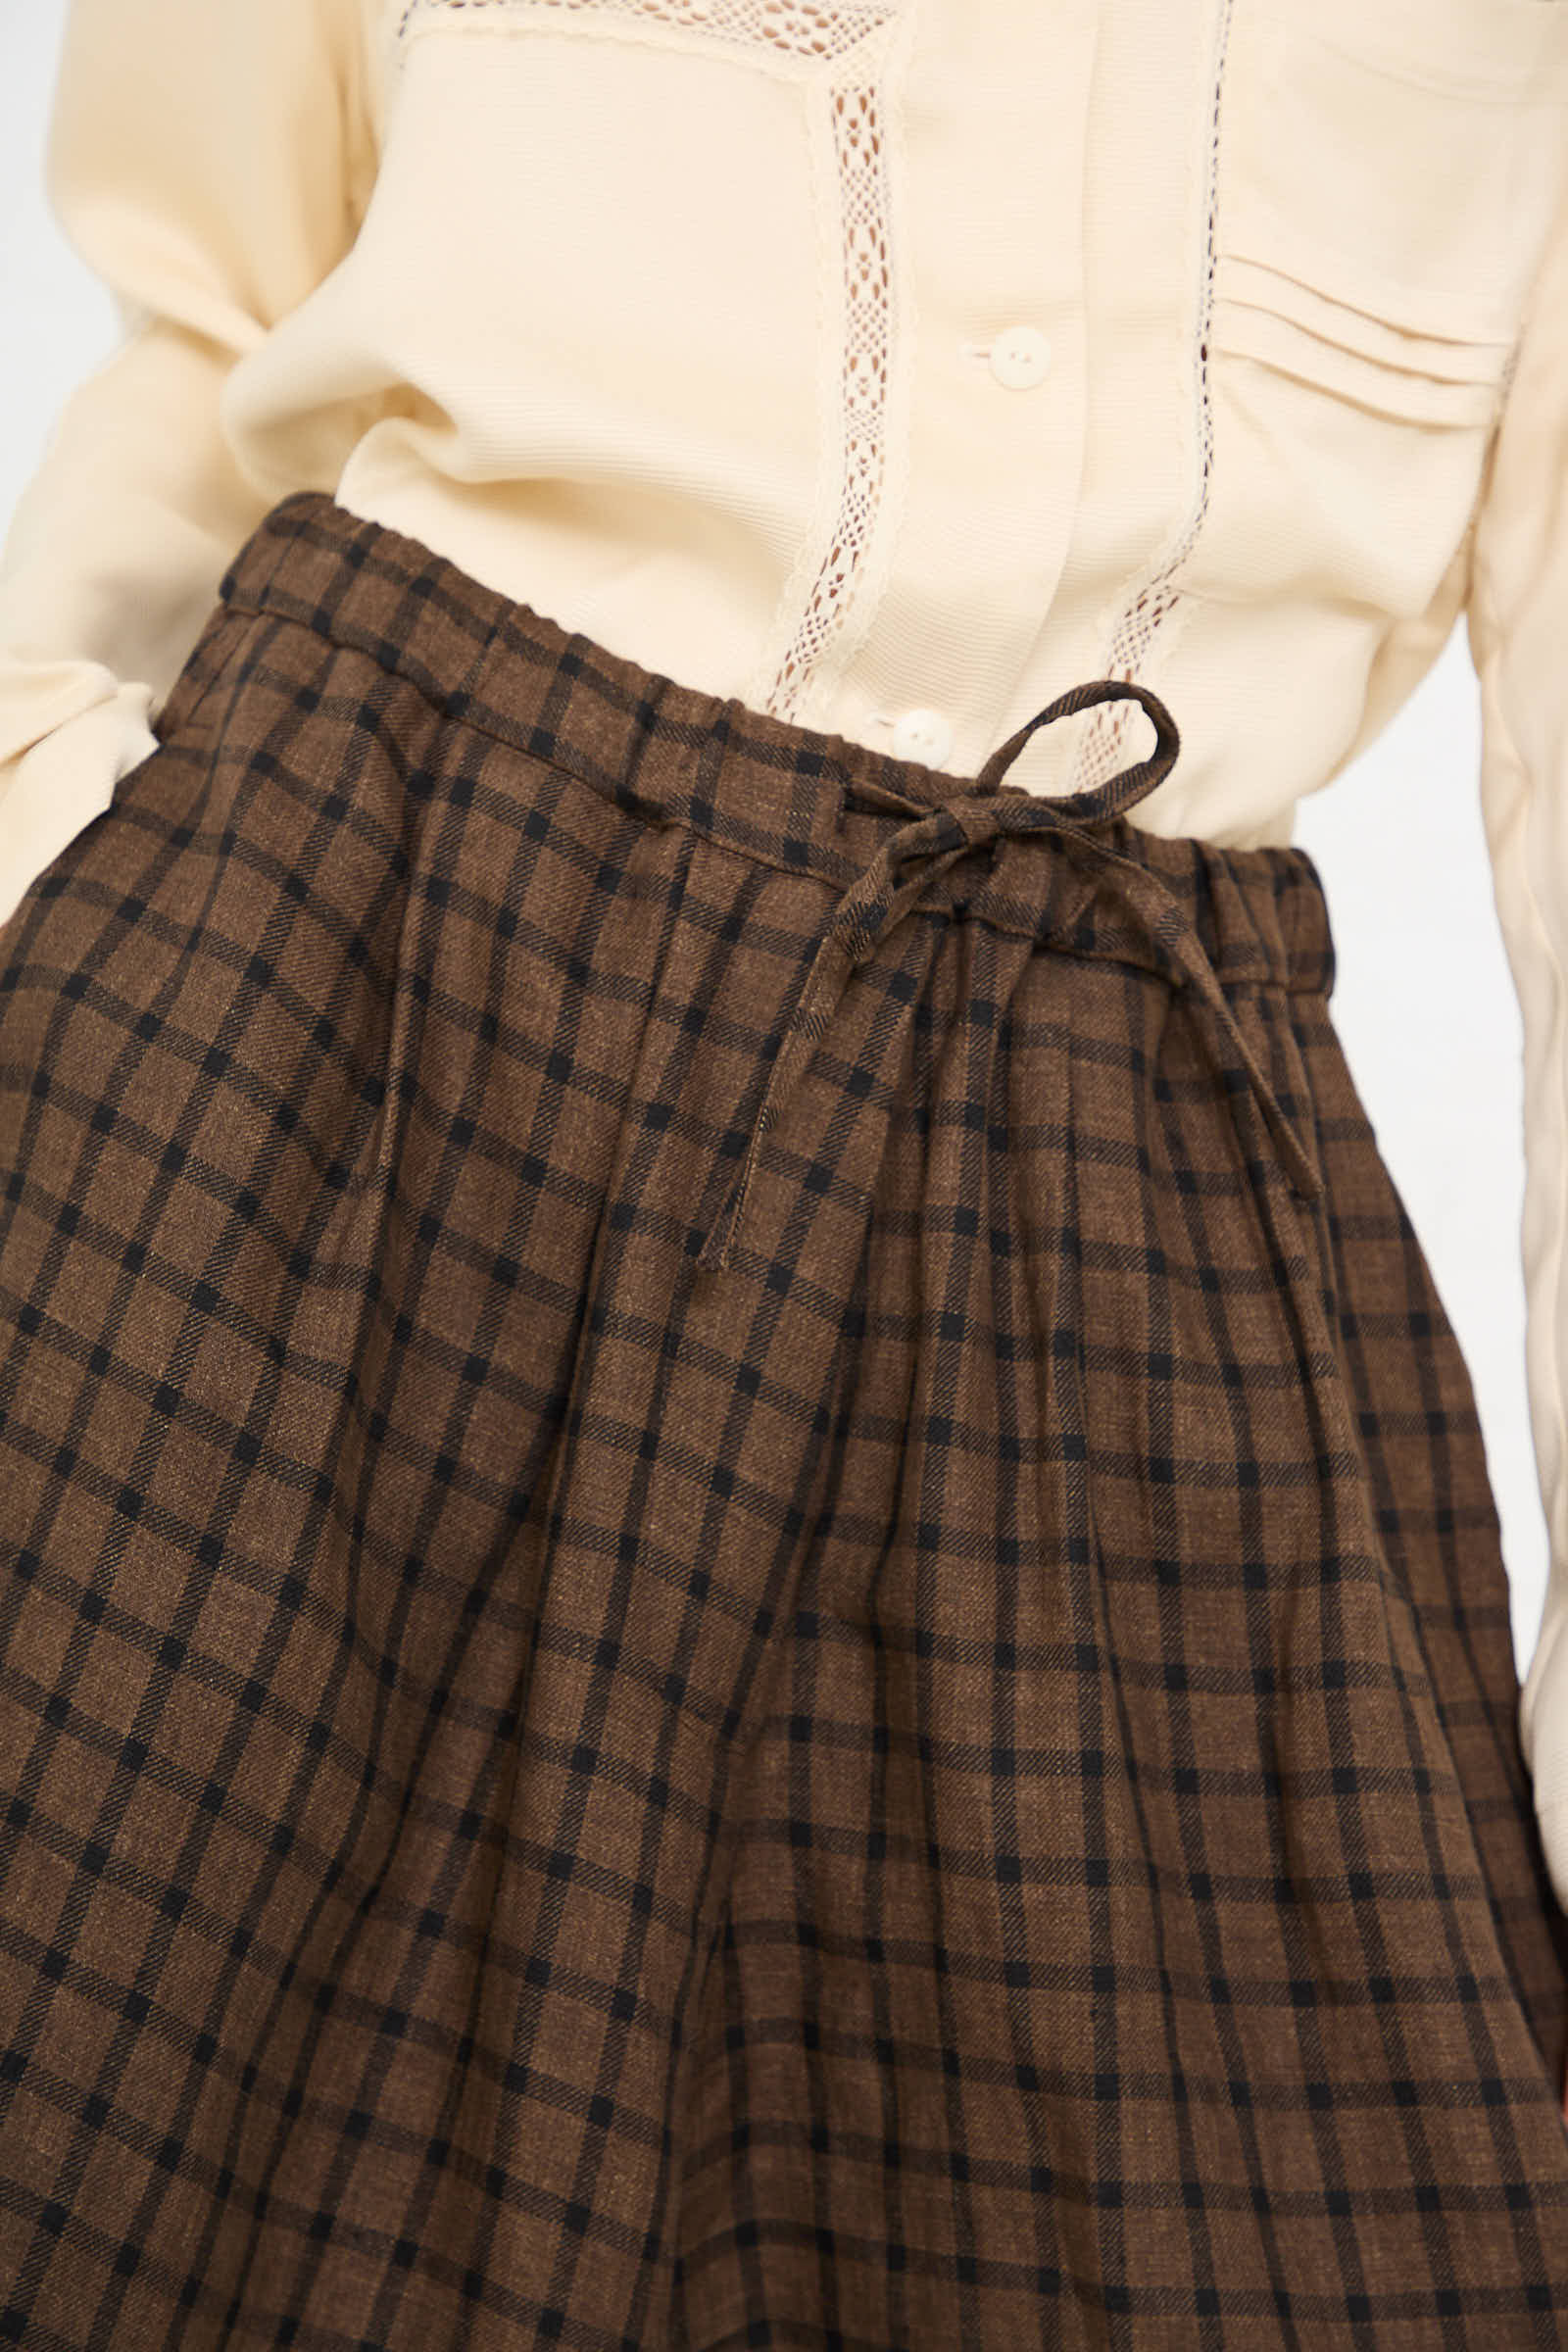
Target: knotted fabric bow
(935,838)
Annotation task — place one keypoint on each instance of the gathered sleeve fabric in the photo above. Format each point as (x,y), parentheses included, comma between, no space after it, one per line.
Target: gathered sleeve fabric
(209,163)
(1517,620)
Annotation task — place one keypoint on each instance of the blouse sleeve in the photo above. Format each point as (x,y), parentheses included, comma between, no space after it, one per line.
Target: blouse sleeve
(207,160)
(1517,620)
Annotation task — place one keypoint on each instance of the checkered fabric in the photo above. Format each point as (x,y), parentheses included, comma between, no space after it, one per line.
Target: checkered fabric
(725,1624)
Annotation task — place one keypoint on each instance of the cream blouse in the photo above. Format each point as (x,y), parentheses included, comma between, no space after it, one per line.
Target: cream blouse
(891,365)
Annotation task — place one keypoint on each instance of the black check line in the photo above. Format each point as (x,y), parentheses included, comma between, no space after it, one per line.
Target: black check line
(209,1549)
(465,1625)
(1016,1409)
(803,1813)
(776,1277)
(706,988)
(1294,1275)
(458,1852)
(1083,1551)
(1256,1580)
(173,1648)
(1459,1617)
(895,2222)
(1390,2013)
(185,1874)
(1160,1373)
(517,2072)
(500,1764)
(955,1169)
(1390,2009)
(56,2224)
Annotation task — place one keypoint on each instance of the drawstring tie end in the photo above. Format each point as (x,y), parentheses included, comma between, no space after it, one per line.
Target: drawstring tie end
(930,843)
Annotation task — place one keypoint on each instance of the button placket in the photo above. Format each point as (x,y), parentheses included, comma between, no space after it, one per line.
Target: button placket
(1019,358)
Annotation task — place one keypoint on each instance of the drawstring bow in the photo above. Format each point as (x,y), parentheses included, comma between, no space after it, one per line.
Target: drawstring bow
(935,838)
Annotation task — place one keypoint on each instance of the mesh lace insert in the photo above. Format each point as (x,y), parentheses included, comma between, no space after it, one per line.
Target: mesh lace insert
(841,41)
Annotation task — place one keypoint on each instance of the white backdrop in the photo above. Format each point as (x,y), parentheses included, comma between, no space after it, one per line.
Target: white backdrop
(1424,1001)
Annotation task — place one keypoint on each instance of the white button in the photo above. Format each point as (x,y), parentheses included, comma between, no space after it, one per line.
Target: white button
(1019,357)
(925,736)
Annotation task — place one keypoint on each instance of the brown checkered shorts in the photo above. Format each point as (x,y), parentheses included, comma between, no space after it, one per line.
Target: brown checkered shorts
(749,1589)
